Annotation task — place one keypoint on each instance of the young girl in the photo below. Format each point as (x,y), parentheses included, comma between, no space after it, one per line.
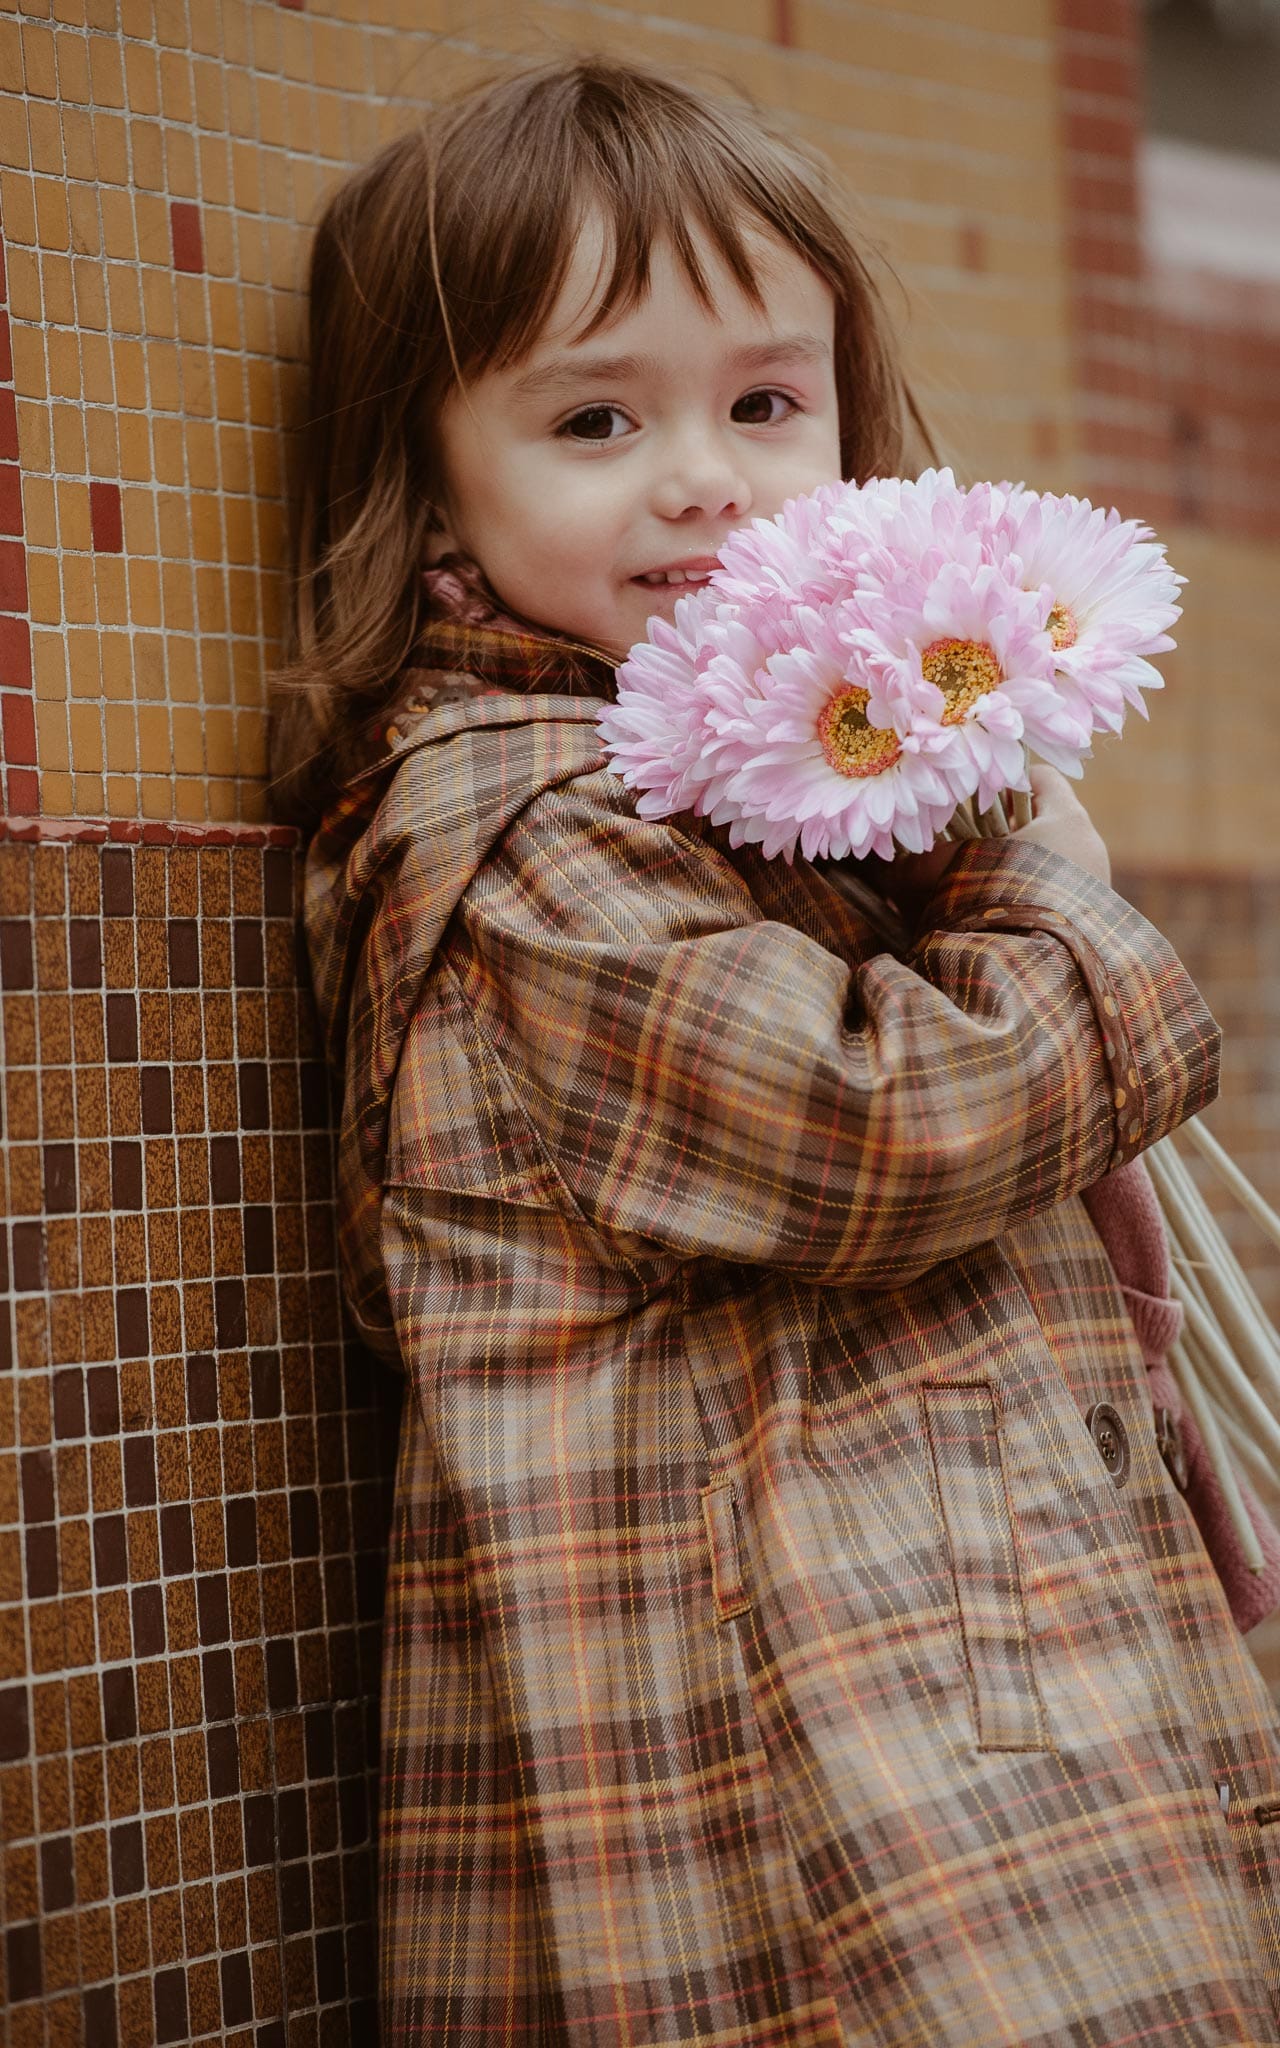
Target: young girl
(794,1634)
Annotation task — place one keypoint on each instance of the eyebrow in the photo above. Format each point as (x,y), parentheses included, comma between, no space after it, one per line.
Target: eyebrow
(569,370)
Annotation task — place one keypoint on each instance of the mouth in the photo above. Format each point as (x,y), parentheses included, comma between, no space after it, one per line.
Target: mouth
(677,575)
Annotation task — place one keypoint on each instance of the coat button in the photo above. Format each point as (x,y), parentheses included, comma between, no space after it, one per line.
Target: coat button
(1111,1437)
(1171,1448)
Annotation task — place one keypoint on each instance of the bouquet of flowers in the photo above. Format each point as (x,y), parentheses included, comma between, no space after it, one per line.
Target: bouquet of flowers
(872,670)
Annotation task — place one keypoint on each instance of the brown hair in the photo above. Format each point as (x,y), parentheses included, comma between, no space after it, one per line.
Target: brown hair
(441,259)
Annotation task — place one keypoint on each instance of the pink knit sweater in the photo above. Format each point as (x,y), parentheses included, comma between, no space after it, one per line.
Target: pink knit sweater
(1126,1215)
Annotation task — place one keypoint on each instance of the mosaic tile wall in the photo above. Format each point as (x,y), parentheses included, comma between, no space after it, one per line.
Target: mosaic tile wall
(194,1469)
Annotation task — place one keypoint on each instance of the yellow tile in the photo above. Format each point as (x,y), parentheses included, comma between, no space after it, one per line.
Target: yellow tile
(15,146)
(242,599)
(211,601)
(151,223)
(26,301)
(121,797)
(72,56)
(197,382)
(95,369)
(35,444)
(74,531)
(189,800)
(220,743)
(87,796)
(177,595)
(52,222)
(44,588)
(90,286)
(202,456)
(49,664)
(141,79)
(181,178)
(111,582)
(106,72)
(171,24)
(188,742)
(146,149)
(121,739)
(159,312)
(181,672)
(86,738)
(68,441)
(154,746)
(18,206)
(39,512)
(169,454)
(177,97)
(129,364)
(144,594)
(139,515)
(52,741)
(148,666)
(219,244)
(111,149)
(72,12)
(29,378)
(103,14)
(119,236)
(228,380)
(209,96)
(84,663)
(44,130)
(56,290)
(215,670)
(39,69)
(79,596)
(63,352)
(162,376)
(157,797)
(56,792)
(116,657)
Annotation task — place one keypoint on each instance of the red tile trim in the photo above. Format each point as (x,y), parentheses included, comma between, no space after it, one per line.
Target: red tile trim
(142,832)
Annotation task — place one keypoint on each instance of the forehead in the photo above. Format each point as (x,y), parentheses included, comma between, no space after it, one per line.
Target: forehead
(788,289)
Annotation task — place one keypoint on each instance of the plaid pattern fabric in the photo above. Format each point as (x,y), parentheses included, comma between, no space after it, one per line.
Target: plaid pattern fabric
(771,1657)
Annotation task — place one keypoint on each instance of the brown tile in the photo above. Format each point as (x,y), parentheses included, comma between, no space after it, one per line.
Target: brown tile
(154,1025)
(92,1873)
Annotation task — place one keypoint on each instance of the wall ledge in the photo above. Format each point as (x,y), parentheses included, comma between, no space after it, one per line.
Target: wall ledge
(144,832)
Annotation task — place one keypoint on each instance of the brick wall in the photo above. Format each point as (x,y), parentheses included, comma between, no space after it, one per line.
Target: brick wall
(194,1465)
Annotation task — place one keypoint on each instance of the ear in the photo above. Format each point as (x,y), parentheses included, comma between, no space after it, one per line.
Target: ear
(440,540)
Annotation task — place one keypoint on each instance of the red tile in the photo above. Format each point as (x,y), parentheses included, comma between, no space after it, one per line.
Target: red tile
(18,722)
(6,351)
(105,518)
(188,242)
(10,498)
(22,792)
(8,427)
(13,577)
(15,654)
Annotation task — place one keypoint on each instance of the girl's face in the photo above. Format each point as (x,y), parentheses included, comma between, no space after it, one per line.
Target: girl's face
(594,481)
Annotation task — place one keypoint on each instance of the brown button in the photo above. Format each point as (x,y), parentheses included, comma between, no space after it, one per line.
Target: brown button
(1171,1448)
(1111,1437)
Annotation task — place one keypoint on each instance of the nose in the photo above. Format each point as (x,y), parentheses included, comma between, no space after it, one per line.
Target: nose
(701,477)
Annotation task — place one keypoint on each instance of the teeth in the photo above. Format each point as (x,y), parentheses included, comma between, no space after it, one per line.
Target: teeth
(657,576)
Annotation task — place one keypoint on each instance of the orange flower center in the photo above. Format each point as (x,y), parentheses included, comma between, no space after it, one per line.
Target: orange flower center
(963,670)
(1062,627)
(850,742)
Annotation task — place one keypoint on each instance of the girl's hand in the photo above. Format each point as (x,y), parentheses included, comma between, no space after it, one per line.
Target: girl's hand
(1062,823)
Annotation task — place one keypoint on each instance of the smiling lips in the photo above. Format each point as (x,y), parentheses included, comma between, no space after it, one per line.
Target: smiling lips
(695,571)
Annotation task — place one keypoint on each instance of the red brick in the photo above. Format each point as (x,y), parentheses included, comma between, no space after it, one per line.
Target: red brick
(8,427)
(22,793)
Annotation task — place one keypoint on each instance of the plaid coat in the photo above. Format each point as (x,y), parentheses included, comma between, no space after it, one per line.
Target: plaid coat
(775,1654)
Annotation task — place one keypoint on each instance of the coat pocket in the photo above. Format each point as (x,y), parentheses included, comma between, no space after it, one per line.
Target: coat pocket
(964,1441)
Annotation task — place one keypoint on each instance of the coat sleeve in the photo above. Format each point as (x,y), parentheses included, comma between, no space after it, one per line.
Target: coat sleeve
(720,1083)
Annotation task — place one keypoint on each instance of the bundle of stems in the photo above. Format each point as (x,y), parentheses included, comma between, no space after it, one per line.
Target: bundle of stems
(1227,1360)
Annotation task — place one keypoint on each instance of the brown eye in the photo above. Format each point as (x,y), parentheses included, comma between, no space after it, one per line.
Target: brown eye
(593,423)
(756,408)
